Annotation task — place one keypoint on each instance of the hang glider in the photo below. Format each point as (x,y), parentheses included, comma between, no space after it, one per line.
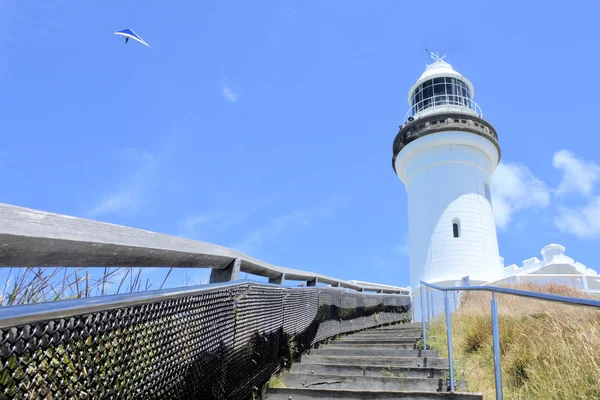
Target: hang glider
(129,34)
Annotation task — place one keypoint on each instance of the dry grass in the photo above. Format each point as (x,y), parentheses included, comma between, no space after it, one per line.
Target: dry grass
(42,284)
(276,381)
(548,350)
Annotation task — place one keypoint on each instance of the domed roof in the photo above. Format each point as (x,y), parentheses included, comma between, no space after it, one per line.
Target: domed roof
(438,69)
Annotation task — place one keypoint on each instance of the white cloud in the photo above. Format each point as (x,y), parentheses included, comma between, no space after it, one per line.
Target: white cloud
(204,223)
(379,262)
(306,218)
(137,155)
(402,248)
(579,175)
(583,223)
(392,258)
(515,188)
(121,200)
(191,222)
(129,195)
(229,93)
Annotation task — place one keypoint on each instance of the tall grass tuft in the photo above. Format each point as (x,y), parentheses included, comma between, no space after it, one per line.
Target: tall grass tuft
(42,284)
(549,351)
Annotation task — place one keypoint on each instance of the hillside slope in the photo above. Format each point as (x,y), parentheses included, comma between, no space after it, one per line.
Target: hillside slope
(549,350)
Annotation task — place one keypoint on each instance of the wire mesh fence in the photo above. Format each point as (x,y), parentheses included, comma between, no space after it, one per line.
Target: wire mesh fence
(208,343)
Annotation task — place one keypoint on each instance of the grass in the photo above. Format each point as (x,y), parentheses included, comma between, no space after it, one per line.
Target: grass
(43,284)
(549,351)
(276,381)
(291,352)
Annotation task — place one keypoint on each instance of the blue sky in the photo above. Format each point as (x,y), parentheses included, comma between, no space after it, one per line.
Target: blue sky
(268,126)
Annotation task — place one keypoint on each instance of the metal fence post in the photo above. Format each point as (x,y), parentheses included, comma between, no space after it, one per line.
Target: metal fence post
(449,336)
(428,312)
(496,336)
(423,320)
(431,309)
(455,300)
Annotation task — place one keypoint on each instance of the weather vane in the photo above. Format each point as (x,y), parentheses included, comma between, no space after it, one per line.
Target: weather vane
(434,56)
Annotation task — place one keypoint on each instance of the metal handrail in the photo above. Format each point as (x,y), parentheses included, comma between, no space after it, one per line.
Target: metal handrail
(527,275)
(145,344)
(441,100)
(494,310)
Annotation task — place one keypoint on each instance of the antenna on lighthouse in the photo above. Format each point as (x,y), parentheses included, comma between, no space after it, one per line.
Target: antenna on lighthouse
(435,56)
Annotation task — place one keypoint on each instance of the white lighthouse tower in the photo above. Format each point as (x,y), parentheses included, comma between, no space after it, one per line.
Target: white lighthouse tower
(445,155)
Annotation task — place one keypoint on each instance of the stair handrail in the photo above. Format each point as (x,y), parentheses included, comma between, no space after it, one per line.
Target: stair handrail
(576,301)
(34,238)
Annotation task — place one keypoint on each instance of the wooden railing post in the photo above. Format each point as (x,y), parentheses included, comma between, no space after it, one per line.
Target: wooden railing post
(279,280)
(227,274)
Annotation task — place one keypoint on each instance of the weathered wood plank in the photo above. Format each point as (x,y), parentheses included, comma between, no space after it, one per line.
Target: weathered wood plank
(31,238)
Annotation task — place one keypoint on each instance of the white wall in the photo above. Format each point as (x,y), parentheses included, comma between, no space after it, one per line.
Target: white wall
(444,174)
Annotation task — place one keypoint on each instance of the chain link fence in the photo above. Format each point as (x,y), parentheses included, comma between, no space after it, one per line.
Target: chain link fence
(208,343)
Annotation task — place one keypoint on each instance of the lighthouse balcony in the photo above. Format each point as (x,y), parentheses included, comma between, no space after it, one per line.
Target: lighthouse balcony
(442,121)
(443,103)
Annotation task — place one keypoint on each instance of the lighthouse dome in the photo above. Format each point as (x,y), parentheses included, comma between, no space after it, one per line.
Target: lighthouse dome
(440,88)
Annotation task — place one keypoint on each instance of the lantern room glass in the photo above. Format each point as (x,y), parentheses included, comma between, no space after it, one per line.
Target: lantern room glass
(441,91)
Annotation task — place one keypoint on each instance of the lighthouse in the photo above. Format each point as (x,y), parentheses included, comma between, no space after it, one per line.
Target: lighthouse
(445,155)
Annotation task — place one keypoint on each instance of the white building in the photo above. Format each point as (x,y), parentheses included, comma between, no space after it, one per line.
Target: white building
(445,155)
(554,267)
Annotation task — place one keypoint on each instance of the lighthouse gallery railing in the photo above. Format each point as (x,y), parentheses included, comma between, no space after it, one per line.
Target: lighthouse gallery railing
(452,102)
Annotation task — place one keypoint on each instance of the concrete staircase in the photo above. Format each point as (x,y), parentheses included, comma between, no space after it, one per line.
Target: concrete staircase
(381,363)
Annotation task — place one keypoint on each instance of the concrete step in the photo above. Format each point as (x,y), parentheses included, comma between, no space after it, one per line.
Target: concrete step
(378,340)
(351,345)
(409,325)
(368,370)
(398,328)
(395,334)
(389,332)
(380,363)
(374,352)
(348,382)
(425,362)
(325,394)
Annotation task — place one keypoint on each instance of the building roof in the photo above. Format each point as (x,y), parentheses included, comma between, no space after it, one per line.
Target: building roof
(554,261)
(437,69)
